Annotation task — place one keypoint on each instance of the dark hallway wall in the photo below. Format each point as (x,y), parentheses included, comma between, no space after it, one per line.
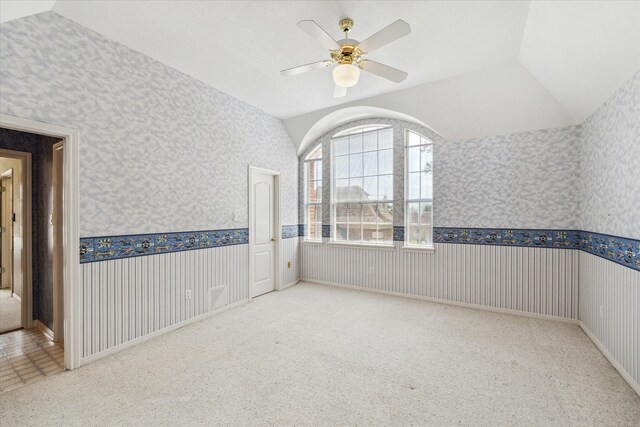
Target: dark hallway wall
(41,149)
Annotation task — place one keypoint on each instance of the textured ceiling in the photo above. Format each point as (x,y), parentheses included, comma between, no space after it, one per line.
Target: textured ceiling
(538,64)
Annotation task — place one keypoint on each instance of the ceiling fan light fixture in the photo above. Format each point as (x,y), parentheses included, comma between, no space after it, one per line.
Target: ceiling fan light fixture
(346,75)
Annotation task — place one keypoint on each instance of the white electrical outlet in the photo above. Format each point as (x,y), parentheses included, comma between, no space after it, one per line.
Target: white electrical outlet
(601,312)
(187,294)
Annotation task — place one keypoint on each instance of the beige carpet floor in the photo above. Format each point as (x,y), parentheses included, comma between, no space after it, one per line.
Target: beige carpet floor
(9,311)
(317,355)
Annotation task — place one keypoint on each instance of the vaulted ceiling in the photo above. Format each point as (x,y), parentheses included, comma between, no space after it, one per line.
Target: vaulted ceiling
(562,58)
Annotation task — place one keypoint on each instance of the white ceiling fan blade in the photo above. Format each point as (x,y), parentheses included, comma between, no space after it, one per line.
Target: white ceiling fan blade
(339,91)
(384,71)
(304,68)
(385,36)
(315,31)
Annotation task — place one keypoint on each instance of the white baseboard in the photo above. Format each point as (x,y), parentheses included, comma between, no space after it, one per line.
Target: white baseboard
(44,328)
(623,373)
(288,285)
(139,340)
(448,302)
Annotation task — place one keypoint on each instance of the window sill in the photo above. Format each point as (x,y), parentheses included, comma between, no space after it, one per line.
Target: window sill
(312,242)
(385,247)
(423,249)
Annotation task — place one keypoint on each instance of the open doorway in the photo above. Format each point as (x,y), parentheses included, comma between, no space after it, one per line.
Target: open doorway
(31,217)
(10,291)
(30,230)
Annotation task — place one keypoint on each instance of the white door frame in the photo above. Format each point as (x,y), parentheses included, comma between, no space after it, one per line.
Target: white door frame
(58,254)
(71,238)
(276,226)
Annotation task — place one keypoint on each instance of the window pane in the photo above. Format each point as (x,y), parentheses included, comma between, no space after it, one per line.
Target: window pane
(385,139)
(370,164)
(341,146)
(425,213)
(414,185)
(314,191)
(371,187)
(418,235)
(355,189)
(370,214)
(315,154)
(314,222)
(369,172)
(413,159)
(342,212)
(385,161)
(355,232)
(426,191)
(341,167)
(370,142)
(413,138)
(385,233)
(426,155)
(355,165)
(413,215)
(341,232)
(318,170)
(354,212)
(341,191)
(385,187)
(355,143)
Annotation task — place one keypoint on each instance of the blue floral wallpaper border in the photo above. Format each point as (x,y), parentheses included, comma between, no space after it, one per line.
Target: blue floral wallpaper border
(565,239)
(621,250)
(115,247)
(291,231)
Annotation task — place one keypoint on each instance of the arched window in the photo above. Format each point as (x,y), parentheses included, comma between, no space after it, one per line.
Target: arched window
(418,176)
(362,185)
(313,195)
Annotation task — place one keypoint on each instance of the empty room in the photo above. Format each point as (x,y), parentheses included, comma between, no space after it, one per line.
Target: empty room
(320,213)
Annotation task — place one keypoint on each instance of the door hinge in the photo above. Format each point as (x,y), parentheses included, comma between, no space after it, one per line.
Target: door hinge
(2,270)
(3,189)
(3,229)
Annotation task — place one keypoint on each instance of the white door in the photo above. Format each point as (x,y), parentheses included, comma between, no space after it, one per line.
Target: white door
(264,236)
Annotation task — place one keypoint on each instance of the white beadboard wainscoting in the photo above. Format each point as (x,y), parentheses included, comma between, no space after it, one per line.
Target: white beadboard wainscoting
(536,281)
(290,251)
(128,299)
(610,312)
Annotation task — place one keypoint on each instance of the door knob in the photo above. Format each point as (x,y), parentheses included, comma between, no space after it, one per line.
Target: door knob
(273,239)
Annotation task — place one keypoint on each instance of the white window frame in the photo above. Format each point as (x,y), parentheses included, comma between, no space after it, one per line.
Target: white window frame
(333,203)
(307,202)
(429,246)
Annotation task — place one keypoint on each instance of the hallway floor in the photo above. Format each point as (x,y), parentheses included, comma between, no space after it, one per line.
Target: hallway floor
(27,356)
(9,311)
(319,355)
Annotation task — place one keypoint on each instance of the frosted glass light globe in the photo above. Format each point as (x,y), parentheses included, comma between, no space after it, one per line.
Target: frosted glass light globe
(346,75)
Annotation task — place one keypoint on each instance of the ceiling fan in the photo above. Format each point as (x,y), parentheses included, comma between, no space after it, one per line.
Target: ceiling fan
(348,54)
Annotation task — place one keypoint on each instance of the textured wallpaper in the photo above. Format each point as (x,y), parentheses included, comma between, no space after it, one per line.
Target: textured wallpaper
(159,151)
(610,165)
(524,180)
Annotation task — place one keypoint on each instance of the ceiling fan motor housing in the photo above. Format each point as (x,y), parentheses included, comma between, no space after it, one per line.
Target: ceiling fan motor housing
(348,52)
